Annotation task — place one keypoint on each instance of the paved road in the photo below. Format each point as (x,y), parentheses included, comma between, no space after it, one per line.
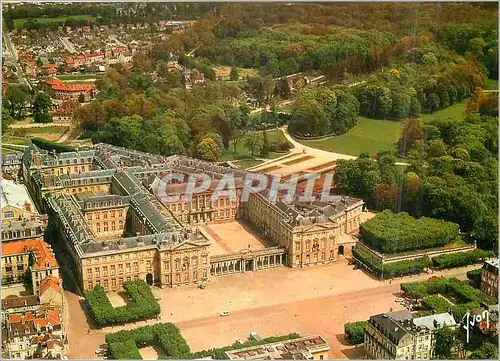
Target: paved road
(318,152)
(13,51)
(68,45)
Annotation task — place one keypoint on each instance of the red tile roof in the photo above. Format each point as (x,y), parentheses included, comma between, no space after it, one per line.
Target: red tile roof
(73,87)
(44,255)
(50,282)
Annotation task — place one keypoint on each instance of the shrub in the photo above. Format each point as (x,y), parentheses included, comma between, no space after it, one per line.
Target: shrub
(391,233)
(143,305)
(354,332)
(475,277)
(48,145)
(461,259)
(393,269)
(436,303)
(125,344)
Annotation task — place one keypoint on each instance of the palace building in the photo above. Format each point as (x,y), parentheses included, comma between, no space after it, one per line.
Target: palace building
(115,227)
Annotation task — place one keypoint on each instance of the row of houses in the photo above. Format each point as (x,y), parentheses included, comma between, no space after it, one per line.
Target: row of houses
(32,324)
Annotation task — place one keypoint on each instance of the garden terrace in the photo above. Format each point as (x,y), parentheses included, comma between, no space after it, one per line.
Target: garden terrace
(444,294)
(391,233)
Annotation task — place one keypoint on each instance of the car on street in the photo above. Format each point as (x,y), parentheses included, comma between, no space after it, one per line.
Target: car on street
(224,313)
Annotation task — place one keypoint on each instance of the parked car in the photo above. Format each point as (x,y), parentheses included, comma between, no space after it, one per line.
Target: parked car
(99,351)
(224,313)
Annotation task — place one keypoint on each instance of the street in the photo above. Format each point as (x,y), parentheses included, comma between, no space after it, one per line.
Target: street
(13,51)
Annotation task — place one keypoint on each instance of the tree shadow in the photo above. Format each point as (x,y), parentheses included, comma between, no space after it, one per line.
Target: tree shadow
(356,353)
(341,338)
(88,316)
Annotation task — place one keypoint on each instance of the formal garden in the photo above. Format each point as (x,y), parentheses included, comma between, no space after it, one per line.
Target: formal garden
(125,345)
(142,306)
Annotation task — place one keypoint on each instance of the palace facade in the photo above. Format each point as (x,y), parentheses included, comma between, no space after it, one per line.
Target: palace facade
(116,226)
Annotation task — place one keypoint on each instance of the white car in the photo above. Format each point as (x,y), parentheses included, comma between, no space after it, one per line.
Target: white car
(224,313)
(99,350)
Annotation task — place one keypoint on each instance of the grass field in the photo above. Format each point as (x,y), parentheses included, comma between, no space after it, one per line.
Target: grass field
(20,22)
(491,84)
(454,111)
(10,139)
(369,135)
(247,163)
(8,150)
(242,153)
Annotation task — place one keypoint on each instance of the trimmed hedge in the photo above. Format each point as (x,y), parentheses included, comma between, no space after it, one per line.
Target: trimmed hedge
(464,296)
(393,269)
(475,277)
(48,145)
(126,344)
(143,305)
(398,232)
(355,331)
(461,259)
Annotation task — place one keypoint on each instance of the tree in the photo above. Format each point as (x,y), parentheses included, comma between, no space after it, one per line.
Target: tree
(91,117)
(208,149)
(41,107)
(7,119)
(16,99)
(384,196)
(234,74)
(217,138)
(253,142)
(487,351)
(445,340)
(265,144)
(81,98)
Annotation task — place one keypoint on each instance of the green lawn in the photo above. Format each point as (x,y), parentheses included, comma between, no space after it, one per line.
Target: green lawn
(8,150)
(247,163)
(10,139)
(369,135)
(491,84)
(18,23)
(454,111)
(286,109)
(242,153)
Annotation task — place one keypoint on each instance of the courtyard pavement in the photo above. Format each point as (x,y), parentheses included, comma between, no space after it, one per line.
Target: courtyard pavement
(270,302)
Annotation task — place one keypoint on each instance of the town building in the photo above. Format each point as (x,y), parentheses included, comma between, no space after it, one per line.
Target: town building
(33,257)
(304,348)
(64,112)
(33,334)
(11,163)
(60,90)
(489,278)
(399,336)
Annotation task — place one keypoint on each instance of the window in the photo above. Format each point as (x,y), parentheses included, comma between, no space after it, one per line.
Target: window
(204,273)
(120,268)
(167,278)
(308,259)
(195,275)
(113,270)
(136,266)
(167,265)
(204,260)
(120,281)
(91,285)
(105,270)
(321,357)
(308,245)
(186,276)
(105,215)
(177,264)
(194,261)
(128,278)
(8,214)
(323,256)
(97,215)
(105,226)
(113,283)
(97,272)
(89,272)
(127,267)
(178,277)
(297,246)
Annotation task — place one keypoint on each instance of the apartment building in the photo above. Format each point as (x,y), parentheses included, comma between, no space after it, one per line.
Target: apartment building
(489,278)
(399,336)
